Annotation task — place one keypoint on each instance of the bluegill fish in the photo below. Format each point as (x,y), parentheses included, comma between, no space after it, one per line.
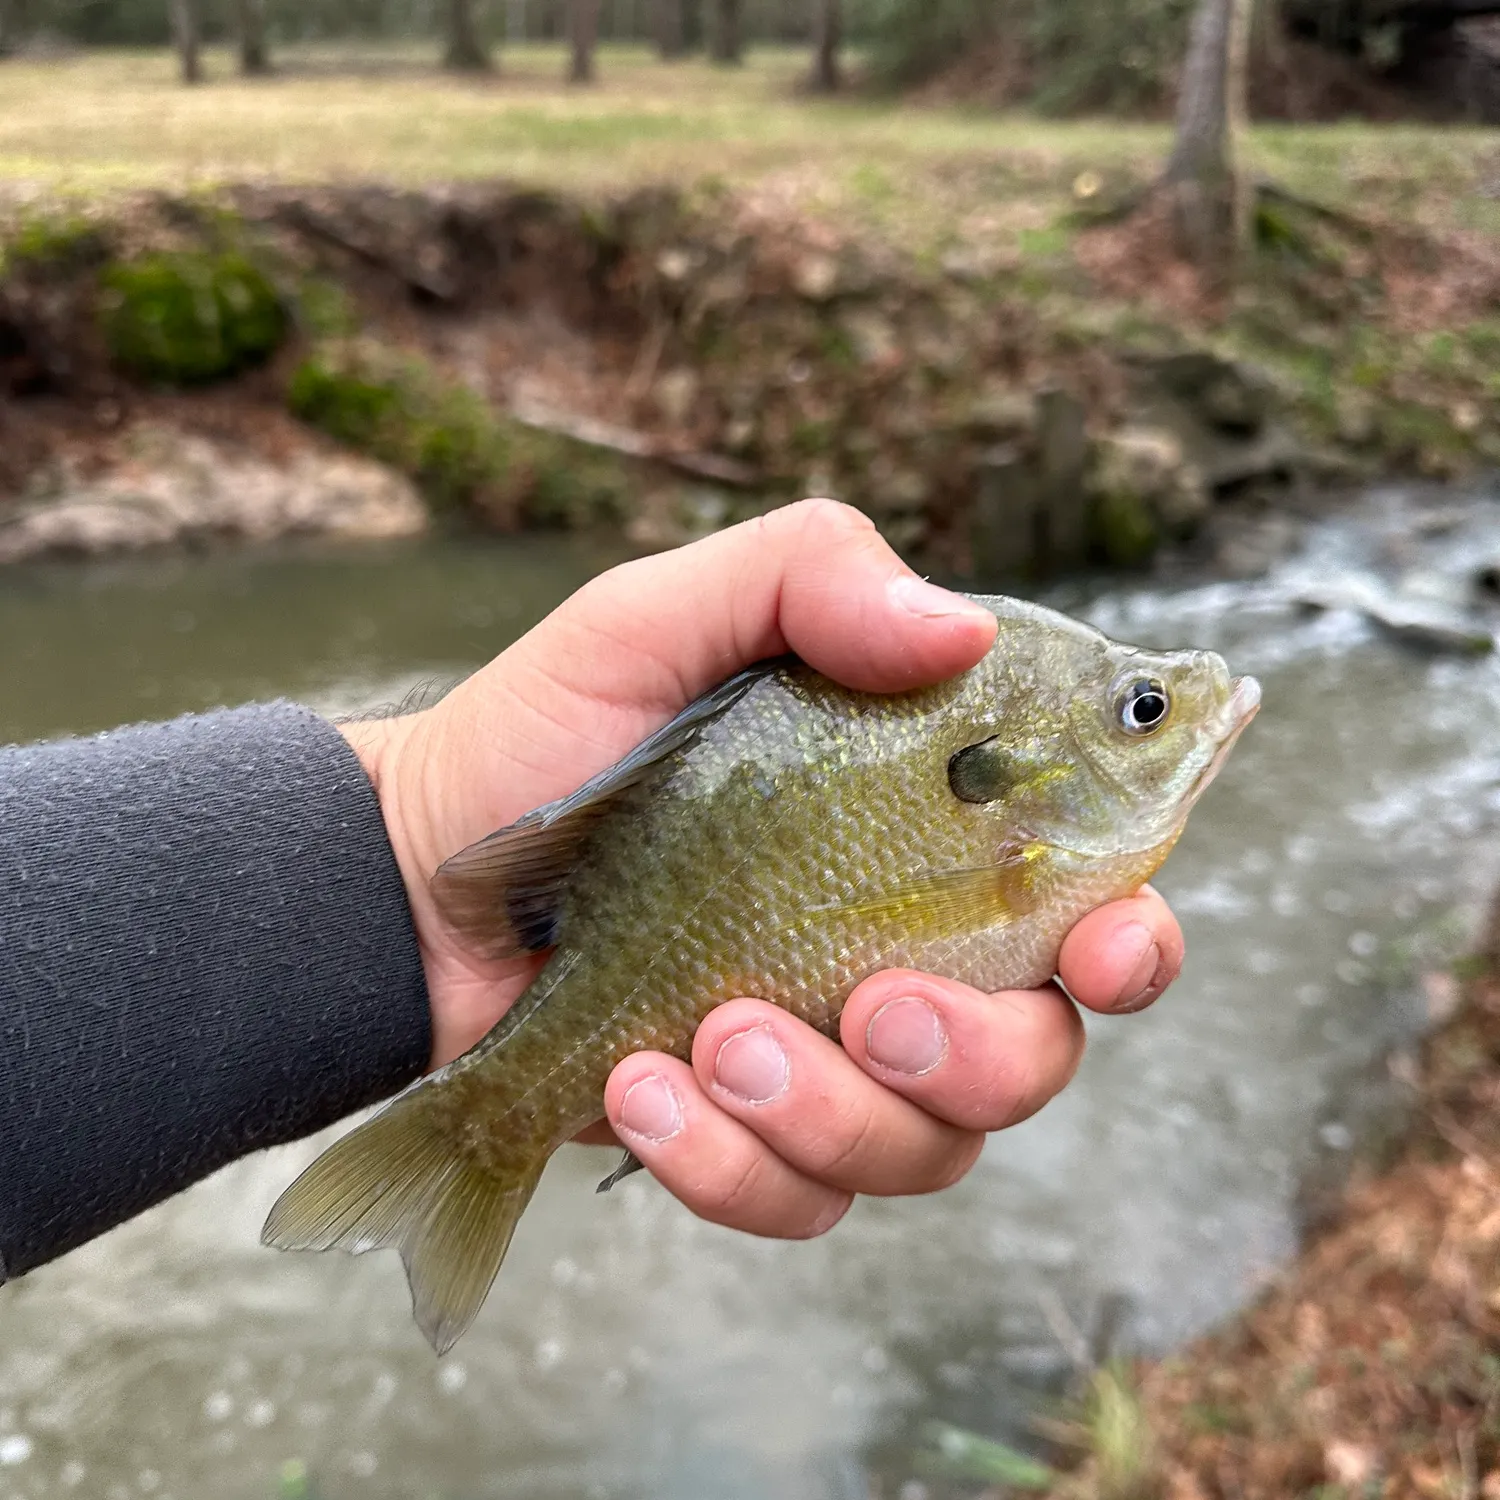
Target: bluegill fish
(784,838)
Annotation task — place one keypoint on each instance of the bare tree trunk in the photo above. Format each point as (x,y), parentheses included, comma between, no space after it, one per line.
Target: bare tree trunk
(1237,88)
(724,42)
(671,32)
(464,51)
(583,30)
(1201,175)
(10,28)
(187,35)
(828,37)
(251,16)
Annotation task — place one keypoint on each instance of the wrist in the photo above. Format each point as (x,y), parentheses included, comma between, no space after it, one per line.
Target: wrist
(384,749)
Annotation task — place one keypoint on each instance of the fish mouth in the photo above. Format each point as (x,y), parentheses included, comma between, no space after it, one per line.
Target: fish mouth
(1243,705)
(1244,702)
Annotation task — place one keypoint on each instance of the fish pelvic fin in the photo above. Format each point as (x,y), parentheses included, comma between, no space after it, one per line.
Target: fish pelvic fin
(398,1181)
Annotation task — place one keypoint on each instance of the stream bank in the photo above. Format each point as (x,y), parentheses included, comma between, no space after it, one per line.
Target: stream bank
(1369,1368)
(663,363)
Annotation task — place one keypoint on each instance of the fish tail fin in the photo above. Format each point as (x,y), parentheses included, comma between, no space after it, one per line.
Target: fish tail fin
(397,1180)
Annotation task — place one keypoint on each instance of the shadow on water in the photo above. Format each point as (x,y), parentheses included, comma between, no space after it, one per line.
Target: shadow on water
(631,1351)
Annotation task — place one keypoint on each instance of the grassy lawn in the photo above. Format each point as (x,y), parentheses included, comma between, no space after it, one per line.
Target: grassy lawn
(100,121)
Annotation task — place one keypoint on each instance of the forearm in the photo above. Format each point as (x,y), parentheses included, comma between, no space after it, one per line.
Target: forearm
(205,948)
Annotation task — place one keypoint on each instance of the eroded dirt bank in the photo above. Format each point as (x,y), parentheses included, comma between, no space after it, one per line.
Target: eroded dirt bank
(669,362)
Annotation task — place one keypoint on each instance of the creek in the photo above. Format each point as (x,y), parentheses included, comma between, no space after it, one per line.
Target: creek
(632,1352)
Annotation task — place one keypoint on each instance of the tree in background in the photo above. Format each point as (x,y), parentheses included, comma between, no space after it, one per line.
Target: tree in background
(1209,196)
(10,27)
(250,16)
(464,51)
(725,45)
(187,34)
(828,36)
(583,32)
(671,29)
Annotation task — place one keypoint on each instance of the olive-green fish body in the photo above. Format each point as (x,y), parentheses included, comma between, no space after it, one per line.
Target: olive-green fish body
(784,838)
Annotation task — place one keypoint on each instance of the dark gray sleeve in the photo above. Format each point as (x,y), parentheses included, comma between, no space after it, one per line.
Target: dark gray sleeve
(205,948)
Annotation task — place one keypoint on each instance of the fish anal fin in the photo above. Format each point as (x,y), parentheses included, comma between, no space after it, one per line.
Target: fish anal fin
(504,895)
(399,1181)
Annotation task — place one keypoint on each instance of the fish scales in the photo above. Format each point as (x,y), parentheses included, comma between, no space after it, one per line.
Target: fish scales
(792,839)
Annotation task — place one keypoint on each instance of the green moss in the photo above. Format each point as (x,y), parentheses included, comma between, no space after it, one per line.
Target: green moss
(444,437)
(344,404)
(836,348)
(184,319)
(872,183)
(55,243)
(566,485)
(460,452)
(1214,1417)
(325,310)
(1045,244)
(1125,529)
(811,439)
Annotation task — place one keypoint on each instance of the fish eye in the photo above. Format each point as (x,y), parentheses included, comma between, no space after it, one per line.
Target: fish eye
(1143,706)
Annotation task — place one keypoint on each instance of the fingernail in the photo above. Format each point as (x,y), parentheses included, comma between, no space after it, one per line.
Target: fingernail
(753,1066)
(1141,985)
(929,602)
(906,1036)
(650,1109)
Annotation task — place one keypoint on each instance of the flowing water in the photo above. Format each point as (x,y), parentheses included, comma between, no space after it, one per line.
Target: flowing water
(630,1351)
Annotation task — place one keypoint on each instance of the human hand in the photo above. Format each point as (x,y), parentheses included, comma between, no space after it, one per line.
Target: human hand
(772,1128)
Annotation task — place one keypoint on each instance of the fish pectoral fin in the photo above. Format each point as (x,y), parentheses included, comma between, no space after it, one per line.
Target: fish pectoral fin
(504,894)
(399,1181)
(968,900)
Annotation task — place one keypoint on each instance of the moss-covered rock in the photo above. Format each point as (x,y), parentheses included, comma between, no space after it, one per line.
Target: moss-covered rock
(1145,492)
(189,318)
(462,453)
(54,244)
(445,439)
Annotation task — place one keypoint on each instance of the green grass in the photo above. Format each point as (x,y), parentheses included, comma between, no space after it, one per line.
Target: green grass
(93,122)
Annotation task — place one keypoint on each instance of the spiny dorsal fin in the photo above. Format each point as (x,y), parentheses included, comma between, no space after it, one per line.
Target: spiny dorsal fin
(503,894)
(955,901)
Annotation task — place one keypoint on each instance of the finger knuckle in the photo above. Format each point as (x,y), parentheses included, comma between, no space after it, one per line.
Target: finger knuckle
(958,1161)
(732,1195)
(831,1208)
(1001,1097)
(847,1146)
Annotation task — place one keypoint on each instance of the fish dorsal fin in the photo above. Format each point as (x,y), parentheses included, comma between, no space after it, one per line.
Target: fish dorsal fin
(955,901)
(503,894)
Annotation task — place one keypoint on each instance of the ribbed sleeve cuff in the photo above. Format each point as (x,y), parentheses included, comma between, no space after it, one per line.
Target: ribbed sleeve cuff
(205,948)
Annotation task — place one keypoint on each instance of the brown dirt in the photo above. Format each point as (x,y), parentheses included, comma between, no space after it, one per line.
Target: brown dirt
(45,434)
(1136,258)
(1427,282)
